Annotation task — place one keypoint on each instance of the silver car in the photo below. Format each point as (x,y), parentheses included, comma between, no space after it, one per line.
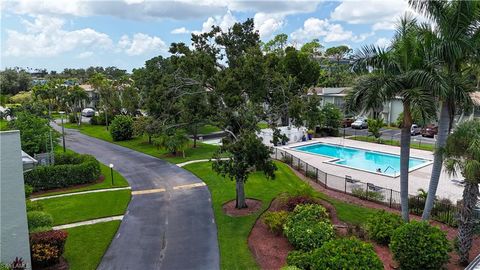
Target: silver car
(360,123)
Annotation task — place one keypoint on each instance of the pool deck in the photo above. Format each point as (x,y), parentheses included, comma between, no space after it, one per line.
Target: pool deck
(418,178)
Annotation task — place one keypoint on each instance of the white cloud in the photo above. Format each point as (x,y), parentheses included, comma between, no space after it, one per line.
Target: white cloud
(316,28)
(86,54)
(224,22)
(383,42)
(46,37)
(181,30)
(267,24)
(143,10)
(141,44)
(382,14)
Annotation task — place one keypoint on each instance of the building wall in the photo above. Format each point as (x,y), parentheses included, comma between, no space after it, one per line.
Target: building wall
(13,217)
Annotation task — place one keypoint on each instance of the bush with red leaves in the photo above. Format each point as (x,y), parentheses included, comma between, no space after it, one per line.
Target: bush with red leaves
(47,247)
(294,201)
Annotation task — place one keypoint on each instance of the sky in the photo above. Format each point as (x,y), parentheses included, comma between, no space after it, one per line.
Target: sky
(56,34)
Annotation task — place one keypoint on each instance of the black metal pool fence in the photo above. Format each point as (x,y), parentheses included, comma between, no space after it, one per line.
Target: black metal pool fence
(443,210)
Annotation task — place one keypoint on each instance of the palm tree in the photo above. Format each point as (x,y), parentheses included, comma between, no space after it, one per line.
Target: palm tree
(462,155)
(453,37)
(396,73)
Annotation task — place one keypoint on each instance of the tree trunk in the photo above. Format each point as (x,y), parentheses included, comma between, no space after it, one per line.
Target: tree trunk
(240,198)
(443,129)
(195,140)
(404,159)
(466,222)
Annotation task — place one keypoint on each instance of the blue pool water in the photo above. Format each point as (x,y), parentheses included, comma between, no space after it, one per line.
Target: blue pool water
(361,159)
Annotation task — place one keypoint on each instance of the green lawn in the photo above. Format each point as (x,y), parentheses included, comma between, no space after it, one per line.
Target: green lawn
(207,129)
(82,207)
(262,125)
(414,145)
(233,231)
(203,151)
(86,244)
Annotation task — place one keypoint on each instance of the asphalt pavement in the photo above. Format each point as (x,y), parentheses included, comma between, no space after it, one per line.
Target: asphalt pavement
(387,134)
(170,229)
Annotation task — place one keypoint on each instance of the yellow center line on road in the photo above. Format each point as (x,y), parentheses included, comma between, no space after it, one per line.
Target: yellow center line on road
(158,190)
(189,186)
(147,191)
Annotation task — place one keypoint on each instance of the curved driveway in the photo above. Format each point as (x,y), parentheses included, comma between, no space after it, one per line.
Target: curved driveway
(171,229)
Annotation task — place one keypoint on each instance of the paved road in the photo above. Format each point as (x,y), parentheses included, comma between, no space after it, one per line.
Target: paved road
(174,229)
(387,134)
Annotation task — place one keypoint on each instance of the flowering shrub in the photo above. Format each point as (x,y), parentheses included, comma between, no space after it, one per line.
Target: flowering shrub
(308,212)
(47,247)
(275,221)
(308,235)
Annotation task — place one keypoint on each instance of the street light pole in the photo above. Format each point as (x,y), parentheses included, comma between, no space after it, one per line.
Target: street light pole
(111,172)
(63,131)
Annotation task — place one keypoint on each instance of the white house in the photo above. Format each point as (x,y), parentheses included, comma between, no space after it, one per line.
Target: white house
(13,217)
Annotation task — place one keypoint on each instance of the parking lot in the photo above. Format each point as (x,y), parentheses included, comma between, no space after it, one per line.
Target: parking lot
(387,134)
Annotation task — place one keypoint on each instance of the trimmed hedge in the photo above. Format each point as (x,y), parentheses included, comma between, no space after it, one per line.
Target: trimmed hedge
(39,219)
(69,170)
(299,259)
(47,247)
(346,253)
(418,245)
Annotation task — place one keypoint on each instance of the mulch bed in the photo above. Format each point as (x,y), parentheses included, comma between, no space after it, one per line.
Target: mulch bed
(382,250)
(253,206)
(61,265)
(270,250)
(38,193)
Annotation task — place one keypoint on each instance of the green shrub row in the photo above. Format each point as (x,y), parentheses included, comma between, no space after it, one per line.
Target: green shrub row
(64,175)
(39,221)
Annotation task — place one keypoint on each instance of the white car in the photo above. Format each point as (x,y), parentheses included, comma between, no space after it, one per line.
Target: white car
(415,130)
(88,112)
(360,123)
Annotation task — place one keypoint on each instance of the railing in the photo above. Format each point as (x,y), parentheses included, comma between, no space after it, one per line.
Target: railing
(443,210)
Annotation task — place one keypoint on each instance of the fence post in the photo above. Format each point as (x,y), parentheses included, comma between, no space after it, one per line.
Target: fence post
(276,153)
(316,175)
(326,184)
(366,192)
(345,180)
(299,165)
(391,193)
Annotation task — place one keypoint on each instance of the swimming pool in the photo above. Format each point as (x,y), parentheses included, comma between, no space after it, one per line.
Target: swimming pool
(371,161)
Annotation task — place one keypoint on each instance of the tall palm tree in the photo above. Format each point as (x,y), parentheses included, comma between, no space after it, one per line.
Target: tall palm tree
(462,155)
(456,24)
(396,73)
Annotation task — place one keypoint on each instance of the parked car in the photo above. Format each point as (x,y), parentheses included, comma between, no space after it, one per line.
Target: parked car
(88,112)
(347,122)
(429,131)
(415,130)
(360,123)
